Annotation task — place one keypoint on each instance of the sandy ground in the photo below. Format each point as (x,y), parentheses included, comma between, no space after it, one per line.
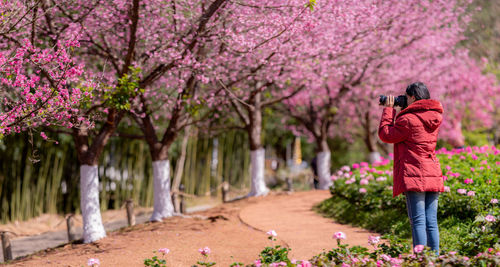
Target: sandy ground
(233,231)
(46,223)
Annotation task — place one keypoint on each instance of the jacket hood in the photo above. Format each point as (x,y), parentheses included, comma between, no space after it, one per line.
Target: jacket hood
(429,111)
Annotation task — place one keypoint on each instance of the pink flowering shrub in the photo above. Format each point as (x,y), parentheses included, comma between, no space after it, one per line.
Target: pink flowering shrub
(384,254)
(468,208)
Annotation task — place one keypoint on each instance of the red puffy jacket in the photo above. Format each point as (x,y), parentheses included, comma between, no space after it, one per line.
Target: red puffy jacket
(414,134)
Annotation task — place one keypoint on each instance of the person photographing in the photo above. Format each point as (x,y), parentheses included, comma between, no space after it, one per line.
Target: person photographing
(417,173)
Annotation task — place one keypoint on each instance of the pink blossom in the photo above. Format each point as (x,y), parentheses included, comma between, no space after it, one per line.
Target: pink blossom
(304,263)
(373,240)
(43,135)
(448,167)
(396,262)
(350,181)
(446,188)
(474,157)
(164,250)
(385,257)
(362,190)
(339,235)
(93,262)
(452,252)
(445,177)
(345,169)
(257,263)
(471,193)
(272,233)
(345,265)
(363,182)
(204,251)
(418,248)
(490,218)
(472,169)
(355,166)
(494,201)
(381,179)
(461,191)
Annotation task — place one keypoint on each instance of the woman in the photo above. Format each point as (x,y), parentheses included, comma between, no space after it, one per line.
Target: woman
(417,172)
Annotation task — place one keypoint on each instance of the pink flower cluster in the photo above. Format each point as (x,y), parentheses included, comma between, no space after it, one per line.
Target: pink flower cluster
(93,262)
(204,251)
(45,97)
(339,235)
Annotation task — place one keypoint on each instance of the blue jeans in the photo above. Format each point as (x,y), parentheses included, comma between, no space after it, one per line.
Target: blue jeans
(422,211)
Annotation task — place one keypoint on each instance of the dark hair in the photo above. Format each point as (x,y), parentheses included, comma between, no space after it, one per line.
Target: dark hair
(418,90)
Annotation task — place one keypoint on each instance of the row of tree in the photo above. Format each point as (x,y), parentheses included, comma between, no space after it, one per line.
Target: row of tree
(84,67)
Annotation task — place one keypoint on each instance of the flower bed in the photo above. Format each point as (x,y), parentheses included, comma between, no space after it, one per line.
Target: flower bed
(383,255)
(468,211)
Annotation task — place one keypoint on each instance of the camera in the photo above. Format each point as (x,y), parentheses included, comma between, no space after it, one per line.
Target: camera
(399,101)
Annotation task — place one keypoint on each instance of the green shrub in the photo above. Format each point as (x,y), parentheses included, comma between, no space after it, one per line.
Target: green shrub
(363,197)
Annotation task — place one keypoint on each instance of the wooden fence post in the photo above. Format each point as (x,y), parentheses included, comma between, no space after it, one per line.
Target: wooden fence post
(182,205)
(7,248)
(130,212)
(289,184)
(175,202)
(225,192)
(70,225)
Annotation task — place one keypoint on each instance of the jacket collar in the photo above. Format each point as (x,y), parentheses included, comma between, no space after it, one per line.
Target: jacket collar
(423,105)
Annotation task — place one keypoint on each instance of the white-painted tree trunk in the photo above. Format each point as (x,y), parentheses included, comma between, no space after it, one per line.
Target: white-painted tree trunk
(374,157)
(257,161)
(93,229)
(323,165)
(162,207)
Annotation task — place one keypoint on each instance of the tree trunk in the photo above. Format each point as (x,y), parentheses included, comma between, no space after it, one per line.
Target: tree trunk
(179,168)
(457,140)
(162,207)
(257,152)
(323,164)
(258,184)
(93,229)
(370,140)
(88,157)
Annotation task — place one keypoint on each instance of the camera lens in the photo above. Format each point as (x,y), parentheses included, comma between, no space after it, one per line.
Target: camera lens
(382,100)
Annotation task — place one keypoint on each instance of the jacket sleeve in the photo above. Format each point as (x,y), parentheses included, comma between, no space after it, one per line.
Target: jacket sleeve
(390,131)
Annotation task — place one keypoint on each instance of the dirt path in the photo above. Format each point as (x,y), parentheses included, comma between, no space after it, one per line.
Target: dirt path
(302,229)
(29,244)
(236,229)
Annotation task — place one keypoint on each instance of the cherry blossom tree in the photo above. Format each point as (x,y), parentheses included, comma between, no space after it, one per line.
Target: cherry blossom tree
(260,40)
(176,93)
(119,45)
(369,48)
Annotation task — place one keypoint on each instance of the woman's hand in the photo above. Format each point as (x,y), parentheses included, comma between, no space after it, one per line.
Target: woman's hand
(390,101)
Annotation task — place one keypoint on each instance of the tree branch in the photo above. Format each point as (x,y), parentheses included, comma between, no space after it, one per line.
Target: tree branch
(279,99)
(132,39)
